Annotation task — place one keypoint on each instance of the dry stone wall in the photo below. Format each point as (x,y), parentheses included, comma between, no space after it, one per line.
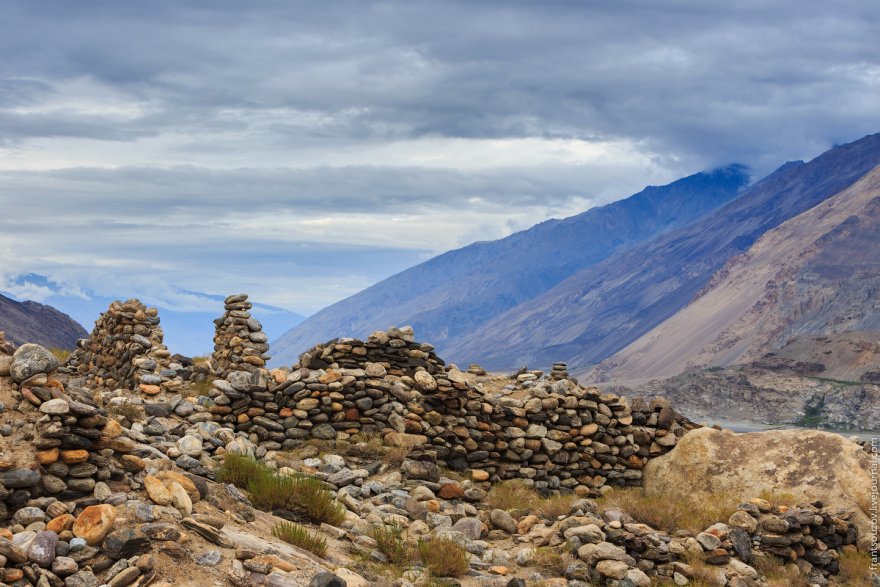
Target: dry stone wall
(125,349)
(239,341)
(549,430)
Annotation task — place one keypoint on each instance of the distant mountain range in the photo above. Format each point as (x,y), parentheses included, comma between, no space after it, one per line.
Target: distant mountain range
(447,298)
(583,288)
(818,272)
(32,322)
(189,332)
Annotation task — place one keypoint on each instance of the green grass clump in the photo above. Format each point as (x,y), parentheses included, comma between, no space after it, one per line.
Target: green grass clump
(443,557)
(268,490)
(390,542)
(299,536)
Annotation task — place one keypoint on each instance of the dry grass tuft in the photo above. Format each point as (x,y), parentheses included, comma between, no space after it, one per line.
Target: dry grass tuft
(513,495)
(390,542)
(552,560)
(670,512)
(60,354)
(131,412)
(855,569)
(299,536)
(444,557)
(778,574)
(778,499)
(556,505)
(268,490)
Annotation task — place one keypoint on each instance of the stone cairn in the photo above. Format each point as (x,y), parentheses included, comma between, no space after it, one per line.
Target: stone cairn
(239,341)
(125,349)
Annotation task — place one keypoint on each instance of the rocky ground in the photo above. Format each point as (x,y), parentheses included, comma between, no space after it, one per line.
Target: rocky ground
(121,486)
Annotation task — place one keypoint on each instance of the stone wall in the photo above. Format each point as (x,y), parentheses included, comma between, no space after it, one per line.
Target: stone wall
(239,341)
(125,350)
(549,430)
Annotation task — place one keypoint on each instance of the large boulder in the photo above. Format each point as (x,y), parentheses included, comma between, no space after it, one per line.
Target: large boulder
(808,464)
(31,359)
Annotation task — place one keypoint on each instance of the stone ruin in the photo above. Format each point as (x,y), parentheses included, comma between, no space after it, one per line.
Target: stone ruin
(125,350)
(239,341)
(554,433)
(549,431)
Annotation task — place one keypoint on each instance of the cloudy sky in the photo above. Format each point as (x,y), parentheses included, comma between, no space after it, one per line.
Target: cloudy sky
(303,150)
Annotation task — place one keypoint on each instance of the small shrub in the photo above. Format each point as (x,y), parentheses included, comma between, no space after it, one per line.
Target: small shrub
(444,557)
(390,542)
(238,469)
(299,536)
(129,411)
(512,495)
(268,490)
(670,512)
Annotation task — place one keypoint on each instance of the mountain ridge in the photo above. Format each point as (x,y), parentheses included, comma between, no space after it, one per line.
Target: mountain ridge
(451,294)
(798,278)
(30,321)
(593,314)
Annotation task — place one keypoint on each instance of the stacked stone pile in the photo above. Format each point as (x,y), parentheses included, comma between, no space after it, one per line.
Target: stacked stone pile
(239,341)
(125,350)
(609,546)
(76,444)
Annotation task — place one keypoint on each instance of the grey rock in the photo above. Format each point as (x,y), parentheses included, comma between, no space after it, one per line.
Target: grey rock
(29,360)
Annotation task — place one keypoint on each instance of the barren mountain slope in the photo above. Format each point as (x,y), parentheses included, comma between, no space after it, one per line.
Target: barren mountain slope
(603,308)
(817,273)
(32,322)
(452,294)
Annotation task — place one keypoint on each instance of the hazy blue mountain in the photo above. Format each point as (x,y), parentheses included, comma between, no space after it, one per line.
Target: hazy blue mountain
(32,322)
(602,308)
(448,297)
(189,332)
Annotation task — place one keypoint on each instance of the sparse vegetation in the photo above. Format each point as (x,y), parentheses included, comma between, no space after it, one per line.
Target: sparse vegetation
(669,511)
(779,574)
(198,388)
(301,537)
(390,542)
(131,412)
(778,499)
(60,354)
(553,560)
(855,568)
(443,557)
(511,495)
(556,505)
(268,490)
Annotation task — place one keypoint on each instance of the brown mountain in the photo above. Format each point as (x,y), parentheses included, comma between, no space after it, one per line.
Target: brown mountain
(32,322)
(818,273)
(601,309)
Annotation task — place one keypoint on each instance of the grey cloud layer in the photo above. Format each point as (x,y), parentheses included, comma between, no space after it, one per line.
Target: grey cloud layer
(233,144)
